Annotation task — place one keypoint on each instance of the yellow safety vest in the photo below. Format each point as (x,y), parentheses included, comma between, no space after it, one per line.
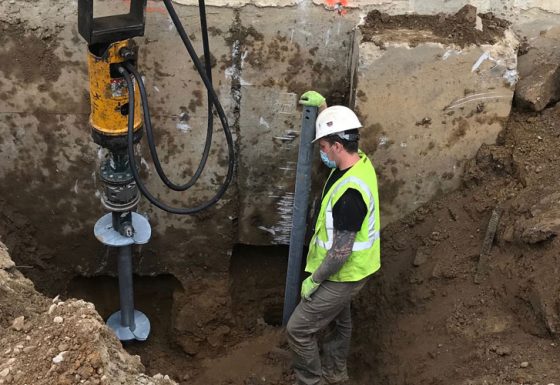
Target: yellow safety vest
(365,257)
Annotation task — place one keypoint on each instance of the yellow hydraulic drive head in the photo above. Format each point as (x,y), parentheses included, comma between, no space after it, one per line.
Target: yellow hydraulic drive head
(108,89)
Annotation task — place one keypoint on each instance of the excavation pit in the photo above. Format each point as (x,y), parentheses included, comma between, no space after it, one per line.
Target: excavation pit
(258,277)
(443,155)
(153,296)
(256,286)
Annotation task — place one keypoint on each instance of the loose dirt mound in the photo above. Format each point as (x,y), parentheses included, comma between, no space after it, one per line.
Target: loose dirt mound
(459,29)
(55,342)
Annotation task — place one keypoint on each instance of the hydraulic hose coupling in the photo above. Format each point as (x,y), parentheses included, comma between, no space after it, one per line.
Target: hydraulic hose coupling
(127,53)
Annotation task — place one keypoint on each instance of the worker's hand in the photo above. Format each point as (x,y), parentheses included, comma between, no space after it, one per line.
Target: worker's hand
(308,287)
(312,99)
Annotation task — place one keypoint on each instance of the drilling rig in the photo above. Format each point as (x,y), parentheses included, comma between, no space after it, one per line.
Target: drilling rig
(119,116)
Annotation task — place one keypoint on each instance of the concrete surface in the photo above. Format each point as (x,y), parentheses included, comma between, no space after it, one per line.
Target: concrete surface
(265,57)
(49,162)
(426,109)
(539,72)
(260,69)
(49,156)
(273,72)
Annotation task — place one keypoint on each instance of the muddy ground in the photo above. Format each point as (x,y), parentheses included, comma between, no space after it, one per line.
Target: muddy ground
(423,319)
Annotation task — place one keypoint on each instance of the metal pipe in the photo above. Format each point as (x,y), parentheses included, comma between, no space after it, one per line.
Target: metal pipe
(299,215)
(126,291)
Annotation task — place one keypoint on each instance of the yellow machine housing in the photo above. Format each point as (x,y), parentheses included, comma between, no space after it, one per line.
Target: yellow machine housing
(109,92)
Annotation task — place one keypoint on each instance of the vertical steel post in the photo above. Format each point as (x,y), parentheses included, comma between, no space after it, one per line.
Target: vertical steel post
(126,290)
(299,215)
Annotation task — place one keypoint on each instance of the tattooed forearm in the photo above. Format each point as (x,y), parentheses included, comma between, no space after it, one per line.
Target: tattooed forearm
(336,256)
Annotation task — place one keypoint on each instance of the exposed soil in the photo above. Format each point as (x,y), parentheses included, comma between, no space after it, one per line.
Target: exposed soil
(459,29)
(54,342)
(421,320)
(424,320)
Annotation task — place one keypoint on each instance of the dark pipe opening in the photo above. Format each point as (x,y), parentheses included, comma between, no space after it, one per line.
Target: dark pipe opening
(258,278)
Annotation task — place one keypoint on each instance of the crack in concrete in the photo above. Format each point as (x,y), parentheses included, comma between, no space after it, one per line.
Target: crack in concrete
(235,92)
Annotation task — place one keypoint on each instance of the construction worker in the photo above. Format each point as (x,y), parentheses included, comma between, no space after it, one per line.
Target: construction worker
(344,250)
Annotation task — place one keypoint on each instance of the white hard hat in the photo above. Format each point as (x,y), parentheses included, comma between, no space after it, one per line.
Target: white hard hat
(335,119)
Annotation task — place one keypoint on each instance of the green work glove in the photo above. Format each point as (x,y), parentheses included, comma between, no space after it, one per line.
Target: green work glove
(312,99)
(308,287)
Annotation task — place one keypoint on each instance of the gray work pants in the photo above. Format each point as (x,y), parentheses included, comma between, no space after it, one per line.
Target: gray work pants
(331,302)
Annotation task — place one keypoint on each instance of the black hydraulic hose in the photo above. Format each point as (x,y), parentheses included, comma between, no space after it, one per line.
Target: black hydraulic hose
(134,169)
(208,67)
(192,53)
(205,42)
(151,139)
(210,117)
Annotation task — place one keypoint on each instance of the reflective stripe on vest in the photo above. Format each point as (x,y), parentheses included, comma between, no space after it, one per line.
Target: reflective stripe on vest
(329,223)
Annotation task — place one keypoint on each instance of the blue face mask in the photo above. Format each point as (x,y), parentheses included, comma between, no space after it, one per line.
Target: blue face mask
(329,163)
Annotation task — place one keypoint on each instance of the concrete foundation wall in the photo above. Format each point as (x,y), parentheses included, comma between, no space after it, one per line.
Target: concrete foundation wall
(266,54)
(265,57)
(427,109)
(49,163)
